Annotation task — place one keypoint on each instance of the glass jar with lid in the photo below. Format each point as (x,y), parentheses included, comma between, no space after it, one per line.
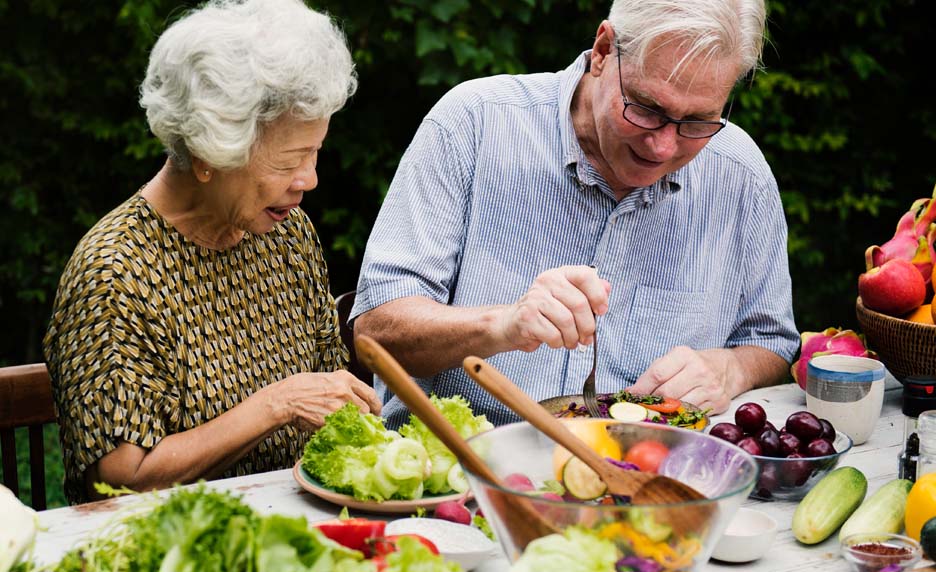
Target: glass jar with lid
(919,395)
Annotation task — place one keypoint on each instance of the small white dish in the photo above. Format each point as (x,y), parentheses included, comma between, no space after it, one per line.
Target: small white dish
(748,537)
(456,542)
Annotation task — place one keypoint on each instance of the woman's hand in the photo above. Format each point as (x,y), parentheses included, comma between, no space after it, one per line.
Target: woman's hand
(305,399)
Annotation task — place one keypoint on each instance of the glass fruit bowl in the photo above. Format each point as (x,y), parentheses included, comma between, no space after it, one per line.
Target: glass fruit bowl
(790,479)
(675,536)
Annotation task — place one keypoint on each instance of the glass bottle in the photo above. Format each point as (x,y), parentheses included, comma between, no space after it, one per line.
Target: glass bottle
(919,395)
(926,430)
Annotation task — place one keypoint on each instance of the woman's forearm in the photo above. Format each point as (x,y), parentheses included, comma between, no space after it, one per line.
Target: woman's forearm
(205,451)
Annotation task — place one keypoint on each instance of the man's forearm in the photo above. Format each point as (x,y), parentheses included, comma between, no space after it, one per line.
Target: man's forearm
(755,367)
(427,337)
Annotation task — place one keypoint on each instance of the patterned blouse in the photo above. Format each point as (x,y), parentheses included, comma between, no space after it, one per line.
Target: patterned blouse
(152,334)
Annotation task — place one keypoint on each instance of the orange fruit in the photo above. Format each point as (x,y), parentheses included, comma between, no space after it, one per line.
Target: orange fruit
(922,315)
(595,435)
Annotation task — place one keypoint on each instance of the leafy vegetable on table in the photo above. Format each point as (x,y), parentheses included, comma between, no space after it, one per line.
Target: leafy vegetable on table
(353,453)
(17,529)
(196,529)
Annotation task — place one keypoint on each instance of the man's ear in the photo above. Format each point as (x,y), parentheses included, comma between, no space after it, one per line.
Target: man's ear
(603,48)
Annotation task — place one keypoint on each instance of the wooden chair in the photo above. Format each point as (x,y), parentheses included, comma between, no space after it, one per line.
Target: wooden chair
(25,401)
(344,303)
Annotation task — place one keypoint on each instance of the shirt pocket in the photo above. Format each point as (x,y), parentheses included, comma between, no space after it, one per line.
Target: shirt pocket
(661,319)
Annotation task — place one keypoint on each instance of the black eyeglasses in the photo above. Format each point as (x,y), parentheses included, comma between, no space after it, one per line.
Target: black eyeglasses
(650,119)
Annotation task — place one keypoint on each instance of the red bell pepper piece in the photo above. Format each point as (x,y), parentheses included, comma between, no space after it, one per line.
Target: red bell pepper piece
(354,533)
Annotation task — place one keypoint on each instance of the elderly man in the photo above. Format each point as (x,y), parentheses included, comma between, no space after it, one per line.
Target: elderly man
(528,205)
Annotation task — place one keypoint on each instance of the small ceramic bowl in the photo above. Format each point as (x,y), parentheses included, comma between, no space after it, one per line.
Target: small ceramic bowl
(748,537)
(456,542)
(876,552)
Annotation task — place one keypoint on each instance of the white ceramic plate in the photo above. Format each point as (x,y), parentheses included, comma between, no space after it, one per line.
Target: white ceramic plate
(307,482)
(456,542)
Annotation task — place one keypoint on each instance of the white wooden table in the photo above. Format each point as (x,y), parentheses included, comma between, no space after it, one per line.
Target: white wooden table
(277,492)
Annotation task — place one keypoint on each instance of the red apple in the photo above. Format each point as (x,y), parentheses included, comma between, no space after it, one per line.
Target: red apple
(894,288)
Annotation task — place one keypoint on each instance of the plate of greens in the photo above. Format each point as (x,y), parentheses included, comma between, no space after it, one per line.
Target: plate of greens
(655,409)
(353,460)
(429,502)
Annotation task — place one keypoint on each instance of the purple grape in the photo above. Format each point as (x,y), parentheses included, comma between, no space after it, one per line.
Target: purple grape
(797,471)
(750,445)
(819,448)
(750,417)
(828,431)
(767,482)
(789,444)
(769,441)
(727,431)
(804,425)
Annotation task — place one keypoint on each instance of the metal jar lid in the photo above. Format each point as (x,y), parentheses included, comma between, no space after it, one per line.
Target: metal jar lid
(919,395)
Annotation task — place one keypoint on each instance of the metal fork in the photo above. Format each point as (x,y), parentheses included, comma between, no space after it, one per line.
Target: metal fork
(588,388)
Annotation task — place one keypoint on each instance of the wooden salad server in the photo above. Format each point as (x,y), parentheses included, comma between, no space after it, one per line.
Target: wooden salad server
(642,487)
(521,519)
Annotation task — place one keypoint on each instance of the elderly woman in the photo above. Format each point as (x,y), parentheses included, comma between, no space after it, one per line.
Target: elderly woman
(193,333)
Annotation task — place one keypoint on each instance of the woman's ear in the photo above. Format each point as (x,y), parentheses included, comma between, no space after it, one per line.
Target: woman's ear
(201,170)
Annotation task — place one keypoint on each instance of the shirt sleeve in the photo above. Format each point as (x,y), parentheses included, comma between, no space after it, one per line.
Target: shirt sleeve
(765,318)
(417,241)
(112,383)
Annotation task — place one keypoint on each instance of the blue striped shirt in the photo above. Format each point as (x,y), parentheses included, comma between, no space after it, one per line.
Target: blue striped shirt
(494,189)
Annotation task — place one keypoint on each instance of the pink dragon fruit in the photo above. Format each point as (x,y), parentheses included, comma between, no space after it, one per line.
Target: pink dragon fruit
(827,342)
(913,240)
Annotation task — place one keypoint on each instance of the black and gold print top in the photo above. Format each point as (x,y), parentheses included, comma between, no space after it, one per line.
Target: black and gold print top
(152,334)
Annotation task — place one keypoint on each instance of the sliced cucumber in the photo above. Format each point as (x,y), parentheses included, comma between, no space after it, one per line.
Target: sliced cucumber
(624,411)
(582,482)
(456,479)
(653,415)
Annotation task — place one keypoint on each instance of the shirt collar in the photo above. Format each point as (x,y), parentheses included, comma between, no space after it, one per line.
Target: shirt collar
(574,157)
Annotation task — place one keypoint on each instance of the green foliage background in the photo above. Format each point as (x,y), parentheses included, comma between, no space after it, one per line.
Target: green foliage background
(841,111)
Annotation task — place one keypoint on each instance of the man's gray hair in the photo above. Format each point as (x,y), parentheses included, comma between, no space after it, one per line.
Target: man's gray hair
(220,74)
(714,30)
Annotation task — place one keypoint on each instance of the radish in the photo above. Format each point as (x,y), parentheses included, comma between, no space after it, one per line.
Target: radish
(454,511)
(518,482)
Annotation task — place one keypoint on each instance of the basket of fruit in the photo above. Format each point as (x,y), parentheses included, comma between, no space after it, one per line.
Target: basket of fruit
(907,348)
(895,306)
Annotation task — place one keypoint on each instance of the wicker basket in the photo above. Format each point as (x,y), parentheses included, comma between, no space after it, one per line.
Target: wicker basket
(906,348)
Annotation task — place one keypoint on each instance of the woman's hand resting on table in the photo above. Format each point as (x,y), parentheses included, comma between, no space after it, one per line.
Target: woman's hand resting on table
(304,400)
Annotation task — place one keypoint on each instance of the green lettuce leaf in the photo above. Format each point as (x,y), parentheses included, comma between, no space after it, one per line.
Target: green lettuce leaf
(459,414)
(575,550)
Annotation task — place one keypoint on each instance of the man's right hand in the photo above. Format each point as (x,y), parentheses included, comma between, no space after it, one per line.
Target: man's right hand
(558,310)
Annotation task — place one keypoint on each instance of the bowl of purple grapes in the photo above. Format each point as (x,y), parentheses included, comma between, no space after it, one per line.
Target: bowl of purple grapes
(792,457)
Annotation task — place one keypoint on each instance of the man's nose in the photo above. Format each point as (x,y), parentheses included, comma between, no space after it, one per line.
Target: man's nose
(663,142)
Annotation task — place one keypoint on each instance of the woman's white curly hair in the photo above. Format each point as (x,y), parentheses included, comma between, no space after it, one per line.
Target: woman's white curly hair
(222,72)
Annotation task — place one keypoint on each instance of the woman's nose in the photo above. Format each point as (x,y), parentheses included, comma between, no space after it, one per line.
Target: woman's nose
(306,178)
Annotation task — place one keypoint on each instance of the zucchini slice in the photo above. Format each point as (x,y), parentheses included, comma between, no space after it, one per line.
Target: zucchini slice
(582,482)
(624,411)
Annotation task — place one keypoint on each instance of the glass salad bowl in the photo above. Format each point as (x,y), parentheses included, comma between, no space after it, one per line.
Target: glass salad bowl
(657,537)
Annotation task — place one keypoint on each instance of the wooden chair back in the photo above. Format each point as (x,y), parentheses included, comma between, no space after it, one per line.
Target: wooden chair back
(344,303)
(25,401)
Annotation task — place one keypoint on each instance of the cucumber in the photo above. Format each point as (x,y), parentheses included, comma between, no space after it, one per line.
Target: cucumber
(582,482)
(883,512)
(624,411)
(829,504)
